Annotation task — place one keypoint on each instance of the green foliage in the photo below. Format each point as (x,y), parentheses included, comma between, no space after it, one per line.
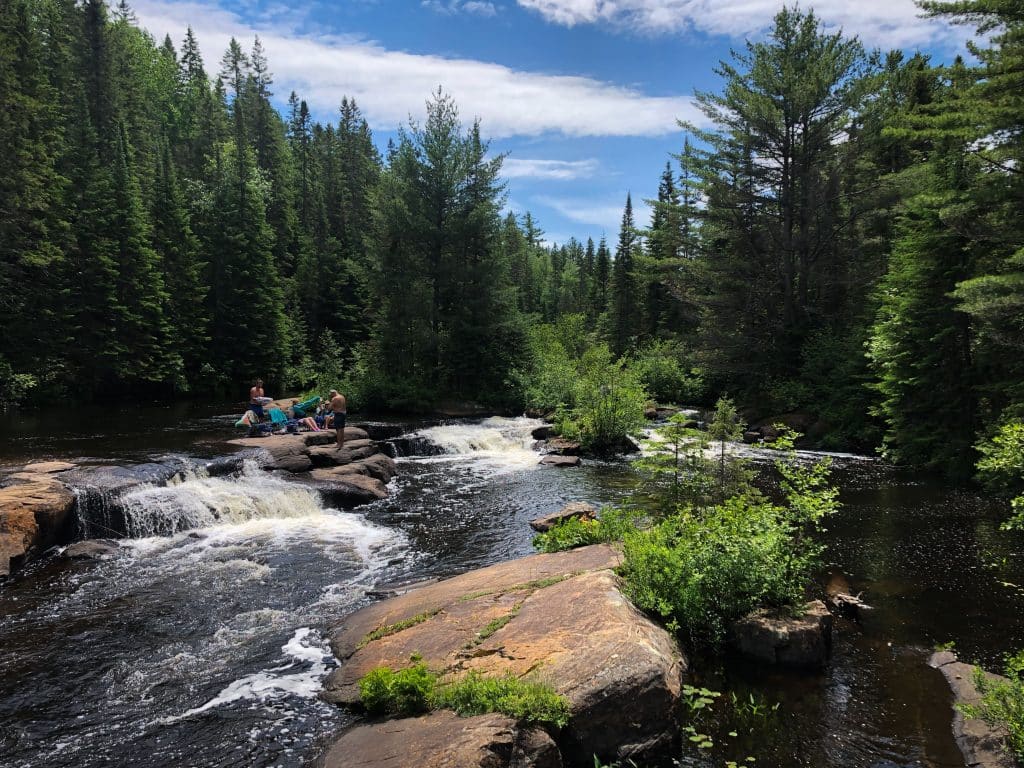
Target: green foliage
(1002,702)
(700,570)
(612,524)
(524,700)
(661,369)
(608,401)
(415,690)
(553,349)
(403,693)
(1001,466)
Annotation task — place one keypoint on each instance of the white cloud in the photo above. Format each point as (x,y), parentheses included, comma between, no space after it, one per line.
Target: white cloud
(451,7)
(554,170)
(607,215)
(388,85)
(883,23)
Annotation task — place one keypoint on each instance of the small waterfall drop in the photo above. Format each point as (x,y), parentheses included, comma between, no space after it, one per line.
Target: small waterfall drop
(196,500)
(497,444)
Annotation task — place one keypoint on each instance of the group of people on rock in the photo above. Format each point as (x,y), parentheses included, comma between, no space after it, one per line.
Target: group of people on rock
(329,413)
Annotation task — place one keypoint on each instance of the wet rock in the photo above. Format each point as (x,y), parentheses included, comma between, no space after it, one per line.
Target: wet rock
(92,549)
(650,413)
(561,461)
(377,430)
(543,432)
(751,438)
(573,509)
(561,617)
(982,745)
(346,490)
(225,465)
(332,456)
(776,637)
(848,606)
(563,447)
(665,412)
(444,740)
(34,515)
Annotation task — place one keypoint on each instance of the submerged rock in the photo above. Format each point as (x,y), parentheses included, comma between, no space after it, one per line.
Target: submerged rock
(560,617)
(778,638)
(982,745)
(560,461)
(444,740)
(92,549)
(573,509)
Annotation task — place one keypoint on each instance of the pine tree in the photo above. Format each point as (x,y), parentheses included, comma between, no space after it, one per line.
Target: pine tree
(624,308)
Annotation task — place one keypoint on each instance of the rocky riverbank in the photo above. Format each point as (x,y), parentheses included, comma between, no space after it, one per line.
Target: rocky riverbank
(558,617)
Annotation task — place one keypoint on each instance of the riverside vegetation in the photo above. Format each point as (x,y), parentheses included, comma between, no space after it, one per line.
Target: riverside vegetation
(703,547)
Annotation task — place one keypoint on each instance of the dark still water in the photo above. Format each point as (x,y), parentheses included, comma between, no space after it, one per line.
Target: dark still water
(207,648)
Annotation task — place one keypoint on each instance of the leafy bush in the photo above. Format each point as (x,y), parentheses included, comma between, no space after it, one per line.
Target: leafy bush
(702,569)
(405,692)
(1002,702)
(415,690)
(14,387)
(1001,466)
(554,350)
(611,525)
(609,401)
(661,370)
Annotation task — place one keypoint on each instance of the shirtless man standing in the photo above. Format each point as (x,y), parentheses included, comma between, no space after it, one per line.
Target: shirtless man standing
(339,408)
(255,393)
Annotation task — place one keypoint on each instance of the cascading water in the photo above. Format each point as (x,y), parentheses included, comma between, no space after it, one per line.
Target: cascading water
(496,445)
(199,501)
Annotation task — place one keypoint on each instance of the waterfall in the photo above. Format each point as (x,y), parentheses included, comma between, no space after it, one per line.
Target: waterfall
(196,500)
(495,445)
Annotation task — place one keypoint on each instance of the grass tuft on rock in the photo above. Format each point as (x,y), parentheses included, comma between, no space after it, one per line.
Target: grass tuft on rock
(415,690)
(398,626)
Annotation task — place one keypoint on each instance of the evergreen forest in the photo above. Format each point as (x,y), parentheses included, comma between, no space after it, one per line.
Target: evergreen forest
(841,236)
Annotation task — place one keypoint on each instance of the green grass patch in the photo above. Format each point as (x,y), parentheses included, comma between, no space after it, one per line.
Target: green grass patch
(398,626)
(415,690)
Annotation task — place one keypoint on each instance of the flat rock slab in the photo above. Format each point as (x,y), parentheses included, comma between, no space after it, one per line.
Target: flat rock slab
(444,740)
(980,743)
(48,467)
(560,461)
(776,637)
(92,549)
(558,617)
(573,509)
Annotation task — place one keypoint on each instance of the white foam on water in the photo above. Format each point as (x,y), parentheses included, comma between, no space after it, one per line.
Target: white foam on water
(495,446)
(198,501)
(305,648)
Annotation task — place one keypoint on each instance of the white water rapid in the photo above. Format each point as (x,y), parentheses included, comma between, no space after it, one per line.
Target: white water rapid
(495,446)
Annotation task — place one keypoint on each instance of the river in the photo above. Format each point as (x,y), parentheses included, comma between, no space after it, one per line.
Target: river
(206,647)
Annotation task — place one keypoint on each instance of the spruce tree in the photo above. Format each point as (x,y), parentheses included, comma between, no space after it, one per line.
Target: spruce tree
(624,308)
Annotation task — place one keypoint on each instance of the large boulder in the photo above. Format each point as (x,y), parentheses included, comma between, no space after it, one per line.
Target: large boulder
(982,745)
(777,637)
(444,740)
(35,514)
(563,447)
(573,509)
(333,456)
(543,432)
(560,617)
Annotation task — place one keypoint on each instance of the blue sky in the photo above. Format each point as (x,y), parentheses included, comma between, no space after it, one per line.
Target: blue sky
(582,95)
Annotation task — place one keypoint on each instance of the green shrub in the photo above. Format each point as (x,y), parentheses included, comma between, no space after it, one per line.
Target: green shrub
(611,525)
(405,692)
(1001,466)
(415,690)
(609,401)
(1002,702)
(664,375)
(700,569)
